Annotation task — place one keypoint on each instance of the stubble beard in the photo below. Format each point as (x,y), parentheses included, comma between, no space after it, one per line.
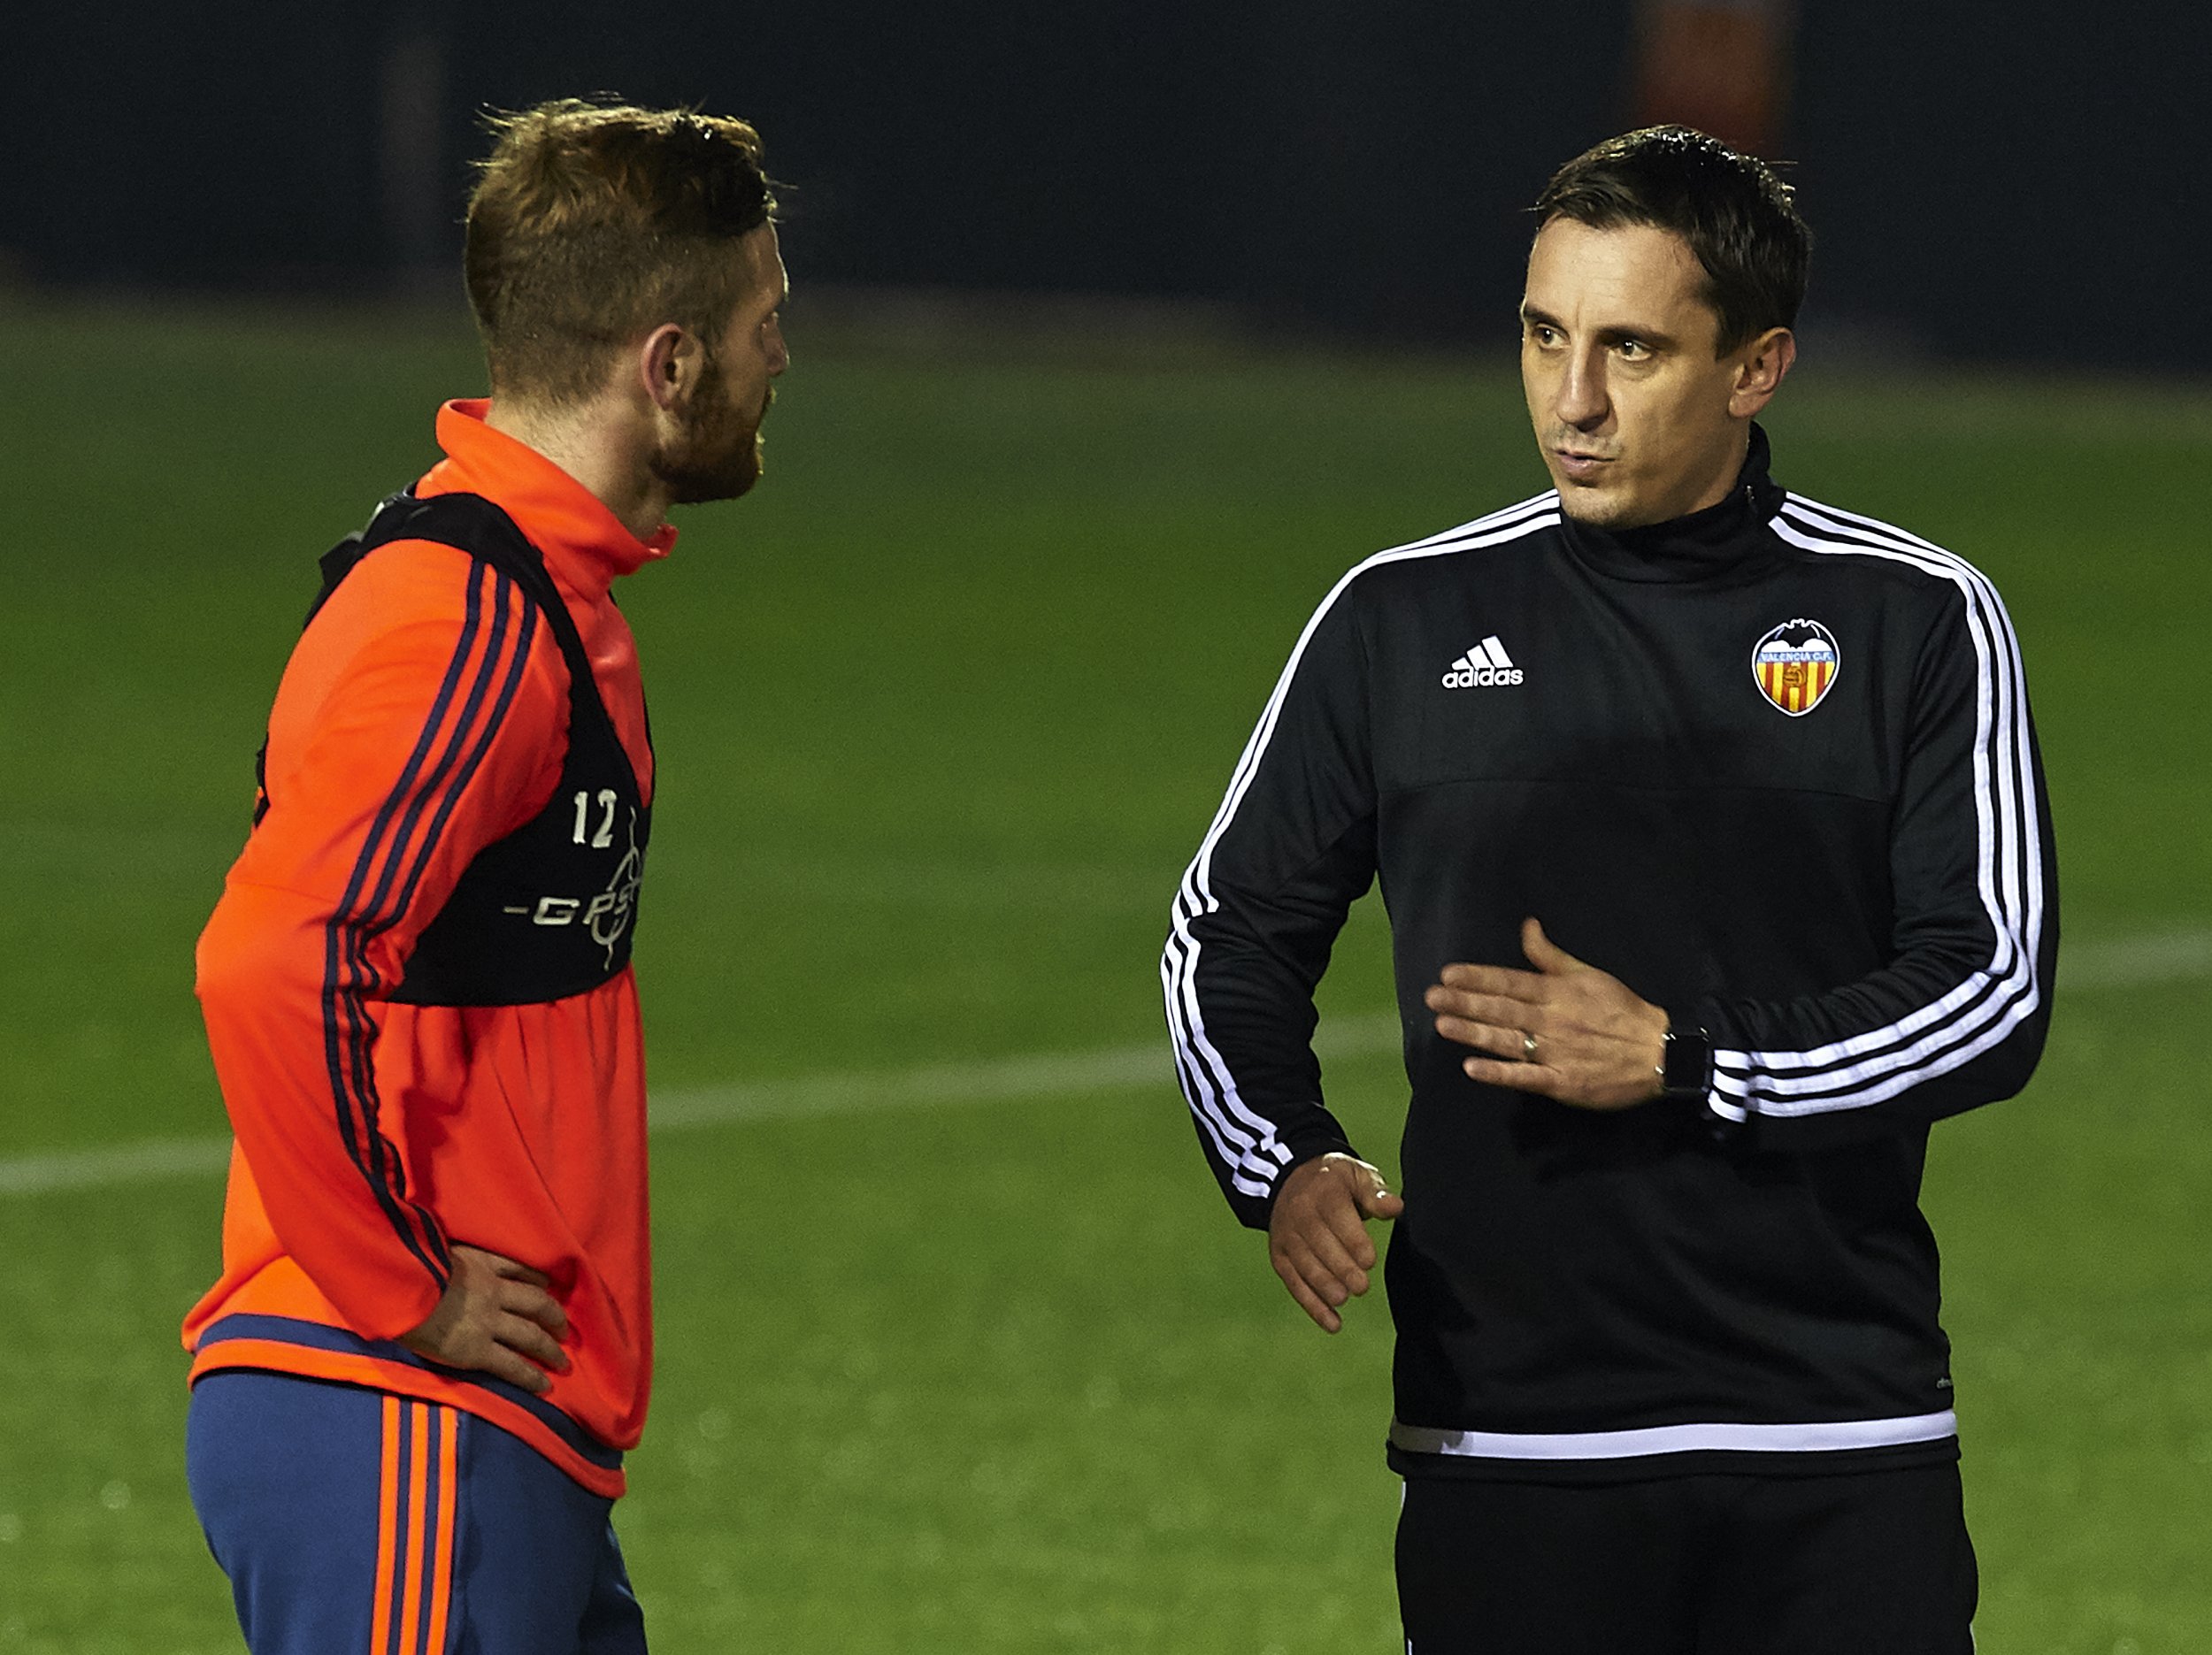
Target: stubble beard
(1599,508)
(717,455)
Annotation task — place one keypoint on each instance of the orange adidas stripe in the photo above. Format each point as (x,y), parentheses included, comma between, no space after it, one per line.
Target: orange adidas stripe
(418,1492)
(387,1541)
(447,1538)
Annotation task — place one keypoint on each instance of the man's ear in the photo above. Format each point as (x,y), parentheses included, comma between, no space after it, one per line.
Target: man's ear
(668,366)
(1761,368)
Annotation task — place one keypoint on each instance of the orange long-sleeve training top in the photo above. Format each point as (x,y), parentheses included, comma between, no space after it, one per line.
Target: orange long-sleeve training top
(415,725)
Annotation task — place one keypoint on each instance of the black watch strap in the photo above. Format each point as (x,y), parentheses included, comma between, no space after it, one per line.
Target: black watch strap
(1688,1071)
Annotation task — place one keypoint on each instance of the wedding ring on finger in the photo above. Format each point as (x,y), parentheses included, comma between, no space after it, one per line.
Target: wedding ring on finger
(1528,1046)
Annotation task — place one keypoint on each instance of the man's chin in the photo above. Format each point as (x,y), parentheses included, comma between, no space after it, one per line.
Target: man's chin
(1597,503)
(730,480)
(1590,505)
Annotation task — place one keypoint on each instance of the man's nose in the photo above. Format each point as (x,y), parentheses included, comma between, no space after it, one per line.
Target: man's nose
(1582,403)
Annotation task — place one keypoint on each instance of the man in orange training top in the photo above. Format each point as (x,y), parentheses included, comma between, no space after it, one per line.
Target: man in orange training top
(433,1335)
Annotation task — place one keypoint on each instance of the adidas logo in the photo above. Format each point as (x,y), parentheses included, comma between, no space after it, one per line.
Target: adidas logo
(1486,663)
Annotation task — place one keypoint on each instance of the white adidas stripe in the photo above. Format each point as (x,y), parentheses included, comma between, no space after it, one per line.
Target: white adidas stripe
(1977,1014)
(1202,1069)
(1244,1139)
(2008,852)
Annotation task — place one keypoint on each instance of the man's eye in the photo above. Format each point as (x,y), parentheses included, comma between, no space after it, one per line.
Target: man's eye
(1634,350)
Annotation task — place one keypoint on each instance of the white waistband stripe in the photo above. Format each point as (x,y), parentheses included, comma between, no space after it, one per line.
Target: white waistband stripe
(1820,1437)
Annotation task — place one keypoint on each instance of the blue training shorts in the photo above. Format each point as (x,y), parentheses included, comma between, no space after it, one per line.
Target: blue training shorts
(351,1519)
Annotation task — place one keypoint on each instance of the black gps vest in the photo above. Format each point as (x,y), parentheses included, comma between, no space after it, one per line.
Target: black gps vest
(549,910)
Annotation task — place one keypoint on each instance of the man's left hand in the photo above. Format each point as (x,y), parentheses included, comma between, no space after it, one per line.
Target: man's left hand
(1598,1046)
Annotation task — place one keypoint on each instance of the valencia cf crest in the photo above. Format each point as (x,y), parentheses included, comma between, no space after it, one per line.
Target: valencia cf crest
(1795,663)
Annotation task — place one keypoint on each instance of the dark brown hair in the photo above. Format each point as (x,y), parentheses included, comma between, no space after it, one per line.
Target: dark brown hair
(592,223)
(1734,213)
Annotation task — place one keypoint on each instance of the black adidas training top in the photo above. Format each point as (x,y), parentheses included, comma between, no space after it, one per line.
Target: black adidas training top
(1770,765)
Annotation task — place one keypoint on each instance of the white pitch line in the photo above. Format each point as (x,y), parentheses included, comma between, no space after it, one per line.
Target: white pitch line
(2131,962)
(1049,1075)
(126,1164)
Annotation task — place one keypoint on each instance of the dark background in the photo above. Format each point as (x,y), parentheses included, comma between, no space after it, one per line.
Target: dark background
(2019,181)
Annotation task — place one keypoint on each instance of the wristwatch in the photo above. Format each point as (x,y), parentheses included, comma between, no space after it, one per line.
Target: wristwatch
(1686,1072)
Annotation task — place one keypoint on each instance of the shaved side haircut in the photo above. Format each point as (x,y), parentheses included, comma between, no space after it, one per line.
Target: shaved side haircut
(592,223)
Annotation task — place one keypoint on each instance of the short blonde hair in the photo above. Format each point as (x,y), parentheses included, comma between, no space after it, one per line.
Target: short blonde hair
(592,223)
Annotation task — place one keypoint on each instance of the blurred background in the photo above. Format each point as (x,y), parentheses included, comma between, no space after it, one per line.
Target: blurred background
(1120,332)
(2012,182)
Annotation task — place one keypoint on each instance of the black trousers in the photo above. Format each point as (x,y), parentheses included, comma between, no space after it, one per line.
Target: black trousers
(1874,1563)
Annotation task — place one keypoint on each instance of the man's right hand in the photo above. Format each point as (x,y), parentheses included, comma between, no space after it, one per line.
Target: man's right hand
(496,1317)
(1316,1237)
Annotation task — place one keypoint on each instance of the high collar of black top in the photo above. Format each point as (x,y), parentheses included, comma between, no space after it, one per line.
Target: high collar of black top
(1723,540)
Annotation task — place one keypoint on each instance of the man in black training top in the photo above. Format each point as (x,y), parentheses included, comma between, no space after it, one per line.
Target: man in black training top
(1713,836)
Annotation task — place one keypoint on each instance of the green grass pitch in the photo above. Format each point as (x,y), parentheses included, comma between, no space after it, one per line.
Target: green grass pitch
(942,711)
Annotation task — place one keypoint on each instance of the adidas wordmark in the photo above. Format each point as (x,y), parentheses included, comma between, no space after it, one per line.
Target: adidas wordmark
(1486,664)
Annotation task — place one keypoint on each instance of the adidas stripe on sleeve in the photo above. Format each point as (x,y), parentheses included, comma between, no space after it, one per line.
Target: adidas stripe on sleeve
(1953,1020)
(1290,849)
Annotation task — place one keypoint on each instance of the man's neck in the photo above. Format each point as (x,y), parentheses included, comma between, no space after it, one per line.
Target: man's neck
(1723,480)
(594,445)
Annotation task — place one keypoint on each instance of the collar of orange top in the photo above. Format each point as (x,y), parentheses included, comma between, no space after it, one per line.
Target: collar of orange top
(584,543)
